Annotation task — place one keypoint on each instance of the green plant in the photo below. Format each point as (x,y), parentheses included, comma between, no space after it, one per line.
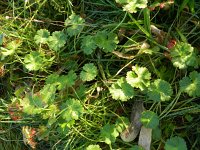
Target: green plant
(176,143)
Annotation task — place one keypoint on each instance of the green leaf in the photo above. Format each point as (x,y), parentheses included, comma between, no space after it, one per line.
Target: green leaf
(136,147)
(50,112)
(106,41)
(47,93)
(191,84)
(72,109)
(183,55)
(33,61)
(93,147)
(109,133)
(88,44)
(10,47)
(139,77)
(156,134)
(149,119)
(62,81)
(74,24)
(121,124)
(66,80)
(89,72)
(121,90)
(42,36)
(160,90)
(132,6)
(57,40)
(175,143)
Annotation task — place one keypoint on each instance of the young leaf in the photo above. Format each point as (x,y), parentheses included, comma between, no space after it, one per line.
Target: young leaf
(106,41)
(191,84)
(88,44)
(121,90)
(109,133)
(183,55)
(75,24)
(139,77)
(47,93)
(175,143)
(160,90)
(42,36)
(132,5)
(89,72)
(33,61)
(72,110)
(93,147)
(149,119)
(57,40)
(10,48)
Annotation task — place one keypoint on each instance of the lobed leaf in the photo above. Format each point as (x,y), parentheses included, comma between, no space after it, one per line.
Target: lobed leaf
(88,44)
(175,143)
(89,72)
(149,119)
(42,36)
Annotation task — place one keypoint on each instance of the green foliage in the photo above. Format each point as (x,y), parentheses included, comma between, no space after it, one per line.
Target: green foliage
(132,6)
(88,44)
(175,143)
(160,90)
(33,61)
(183,55)
(57,40)
(139,77)
(11,48)
(191,84)
(72,110)
(63,80)
(42,36)
(149,119)
(121,90)
(109,133)
(93,147)
(89,72)
(107,41)
(74,24)
(121,124)
(136,147)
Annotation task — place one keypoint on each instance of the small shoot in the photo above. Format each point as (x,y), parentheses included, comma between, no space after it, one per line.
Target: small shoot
(160,90)
(149,119)
(191,84)
(121,90)
(139,77)
(89,72)
(175,143)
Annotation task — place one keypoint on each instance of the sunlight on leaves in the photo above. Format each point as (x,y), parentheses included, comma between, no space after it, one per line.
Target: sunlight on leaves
(160,90)
(139,77)
(42,36)
(175,143)
(191,84)
(121,90)
(183,55)
(149,119)
(132,6)
(93,147)
(33,61)
(89,72)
